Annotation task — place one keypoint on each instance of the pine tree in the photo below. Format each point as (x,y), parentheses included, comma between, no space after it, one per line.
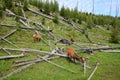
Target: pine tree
(62,12)
(89,22)
(47,7)
(25,6)
(55,20)
(115,32)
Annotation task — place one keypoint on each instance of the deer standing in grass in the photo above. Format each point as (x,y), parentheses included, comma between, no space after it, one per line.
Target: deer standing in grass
(72,55)
(36,37)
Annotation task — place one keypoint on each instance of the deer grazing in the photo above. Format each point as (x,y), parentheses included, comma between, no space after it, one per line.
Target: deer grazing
(36,37)
(72,55)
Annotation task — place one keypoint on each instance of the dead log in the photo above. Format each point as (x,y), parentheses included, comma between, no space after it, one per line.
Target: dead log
(12,32)
(23,13)
(111,51)
(5,51)
(107,48)
(101,48)
(20,69)
(84,68)
(26,25)
(8,41)
(13,26)
(40,14)
(12,56)
(24,19)
(64,41)
(21,63)
(32,50)
(93,71)
(15,71)
(26,50)
(57,65)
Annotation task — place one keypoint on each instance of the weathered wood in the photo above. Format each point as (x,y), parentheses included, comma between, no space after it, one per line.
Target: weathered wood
(40,14)
(21,27)
(101,48)
(111,51)
(23,13)
(31,61)
(84,68)
(107,48)
(33,50)
(28,20)
(93,71)
(20,69)
(57,65)
(8,41)
(9,34)
(12,56)
(5,51)
(15,71)
(26,25)
(86,65)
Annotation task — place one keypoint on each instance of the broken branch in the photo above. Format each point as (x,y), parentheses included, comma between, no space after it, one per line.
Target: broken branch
(57,65)
(12,56)
(93,71)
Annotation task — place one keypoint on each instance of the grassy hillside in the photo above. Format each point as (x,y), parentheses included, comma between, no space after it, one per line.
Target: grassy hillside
(22,38)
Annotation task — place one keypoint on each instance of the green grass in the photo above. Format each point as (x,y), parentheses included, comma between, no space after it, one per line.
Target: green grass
(109,68)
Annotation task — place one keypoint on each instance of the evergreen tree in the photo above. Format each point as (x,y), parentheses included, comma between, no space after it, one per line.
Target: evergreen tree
(2,9)
(89,21)
(55,20)
(56,6)
(25,6)
(62,12)
(47,7)
(115,32)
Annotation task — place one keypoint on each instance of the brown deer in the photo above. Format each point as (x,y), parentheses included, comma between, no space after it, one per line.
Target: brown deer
(36,37)
(72,55)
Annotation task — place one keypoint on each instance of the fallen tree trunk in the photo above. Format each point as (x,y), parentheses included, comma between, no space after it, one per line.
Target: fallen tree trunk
(20,69)
(26,25)
(32,50)
(101,48)
(107,48)
(25,19)
(24,62)
(13,26)
(5,51)
(93,71)
(111,51)
(8,41)
(12,32)
(84,68)
(30,61)
(12,56)
(40,14)
(57,65)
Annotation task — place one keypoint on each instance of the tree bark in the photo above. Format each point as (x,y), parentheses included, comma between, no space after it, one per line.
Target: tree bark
(7,41)
(93,71)
(20,69)
(12,56)
(5,51)
(13,26)
(57,65)
(12,32)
